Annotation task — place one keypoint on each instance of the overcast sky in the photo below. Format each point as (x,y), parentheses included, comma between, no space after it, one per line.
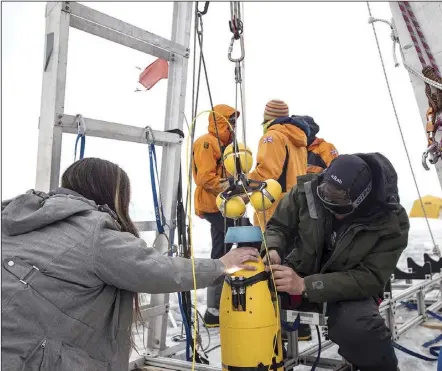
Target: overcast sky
(321,58)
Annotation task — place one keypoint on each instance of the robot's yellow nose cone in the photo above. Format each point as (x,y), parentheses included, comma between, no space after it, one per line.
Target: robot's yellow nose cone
(243,273)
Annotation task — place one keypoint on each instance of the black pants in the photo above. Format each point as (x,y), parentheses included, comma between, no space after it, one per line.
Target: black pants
(363,338)
(217,227)
(216,221)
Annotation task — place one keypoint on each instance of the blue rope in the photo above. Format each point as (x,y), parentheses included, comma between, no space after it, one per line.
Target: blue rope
(412,306)
(159,215)
(433,350)
(293,327)
(434,341)
(82,146)
(186,328)
(414,354)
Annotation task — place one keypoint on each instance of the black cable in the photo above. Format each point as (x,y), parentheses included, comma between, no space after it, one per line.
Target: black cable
(318,357)
(200,41)
(213,348)
(195,99)
(207,330)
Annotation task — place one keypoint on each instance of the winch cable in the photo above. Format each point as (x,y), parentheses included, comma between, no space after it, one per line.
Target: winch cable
(435,246)
(237,28)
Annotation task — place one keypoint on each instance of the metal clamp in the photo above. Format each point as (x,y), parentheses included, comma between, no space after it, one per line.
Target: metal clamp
(199,26)
(235,24)
(434,151)
(229,55)
(81,125)
(150,137)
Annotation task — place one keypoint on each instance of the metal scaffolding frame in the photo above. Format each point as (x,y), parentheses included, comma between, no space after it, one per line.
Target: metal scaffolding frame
(308,356)
(60,16)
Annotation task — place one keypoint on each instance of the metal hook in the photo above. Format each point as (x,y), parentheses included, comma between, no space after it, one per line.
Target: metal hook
(206,8)
(241,57)
(435,154)
(393,36)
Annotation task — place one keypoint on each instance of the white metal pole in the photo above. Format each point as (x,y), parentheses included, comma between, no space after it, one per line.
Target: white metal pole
(428,16)
(171,155)
(53,94)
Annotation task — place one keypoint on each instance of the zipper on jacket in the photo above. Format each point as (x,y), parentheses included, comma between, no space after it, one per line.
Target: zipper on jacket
(41,345)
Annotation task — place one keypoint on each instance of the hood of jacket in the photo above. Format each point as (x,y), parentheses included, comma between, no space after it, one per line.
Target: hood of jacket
(34,210)
(315,143)
(222,113)
(296,130)
(313,126)
(384,177)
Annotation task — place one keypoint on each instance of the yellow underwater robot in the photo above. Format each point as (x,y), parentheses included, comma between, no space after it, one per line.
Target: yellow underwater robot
(250,329)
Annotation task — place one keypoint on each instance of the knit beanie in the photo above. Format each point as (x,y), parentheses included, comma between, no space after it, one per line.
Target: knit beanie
(274,109)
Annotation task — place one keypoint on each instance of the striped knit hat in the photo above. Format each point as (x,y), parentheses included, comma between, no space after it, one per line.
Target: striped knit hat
(274,109)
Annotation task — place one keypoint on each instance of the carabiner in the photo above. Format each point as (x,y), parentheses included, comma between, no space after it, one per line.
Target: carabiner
(150,138)
(229,55)
(81,125)
(206,8)
(424,161)
(434,151)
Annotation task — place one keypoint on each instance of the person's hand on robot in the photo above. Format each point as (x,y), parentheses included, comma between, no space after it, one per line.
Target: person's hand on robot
(273,256)
(237,259)
(287,280)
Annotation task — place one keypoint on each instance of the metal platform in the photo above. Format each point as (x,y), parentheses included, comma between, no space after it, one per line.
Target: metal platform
(308,356)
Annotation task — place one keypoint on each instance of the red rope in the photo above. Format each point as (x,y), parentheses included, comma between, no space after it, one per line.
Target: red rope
(412,34)
(422,37)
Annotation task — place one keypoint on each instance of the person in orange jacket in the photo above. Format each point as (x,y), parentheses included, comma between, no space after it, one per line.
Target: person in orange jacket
(320,153)
(282,156)
(210,179)
(282,152)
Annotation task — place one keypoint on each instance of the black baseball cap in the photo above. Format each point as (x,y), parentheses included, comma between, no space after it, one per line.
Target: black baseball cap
(351,174)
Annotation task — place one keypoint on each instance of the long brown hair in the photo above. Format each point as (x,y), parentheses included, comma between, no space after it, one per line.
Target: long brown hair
(105,183)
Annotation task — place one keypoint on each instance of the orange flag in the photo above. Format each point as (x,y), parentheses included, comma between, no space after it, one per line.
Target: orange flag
(153,73)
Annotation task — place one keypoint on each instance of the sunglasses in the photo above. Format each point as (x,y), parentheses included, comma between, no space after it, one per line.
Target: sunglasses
(346,208)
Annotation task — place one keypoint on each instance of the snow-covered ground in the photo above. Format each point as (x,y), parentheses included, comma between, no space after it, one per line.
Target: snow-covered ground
(419,243)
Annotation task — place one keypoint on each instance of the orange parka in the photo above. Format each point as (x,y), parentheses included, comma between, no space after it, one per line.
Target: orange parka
(207,160)
(282,156)
(320,155)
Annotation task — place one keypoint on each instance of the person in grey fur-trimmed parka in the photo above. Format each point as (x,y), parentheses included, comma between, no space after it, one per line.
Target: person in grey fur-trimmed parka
(72,263)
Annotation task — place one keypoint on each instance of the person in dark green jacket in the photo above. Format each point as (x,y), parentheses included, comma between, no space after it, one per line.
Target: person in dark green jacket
(339,235)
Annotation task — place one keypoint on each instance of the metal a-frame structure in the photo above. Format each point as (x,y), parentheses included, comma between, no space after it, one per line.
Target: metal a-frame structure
(60,16)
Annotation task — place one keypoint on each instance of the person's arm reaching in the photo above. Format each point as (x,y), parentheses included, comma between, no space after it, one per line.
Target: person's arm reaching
(125,261)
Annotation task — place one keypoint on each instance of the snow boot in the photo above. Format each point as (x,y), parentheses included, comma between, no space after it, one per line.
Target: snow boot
(211,320)
(304,332)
